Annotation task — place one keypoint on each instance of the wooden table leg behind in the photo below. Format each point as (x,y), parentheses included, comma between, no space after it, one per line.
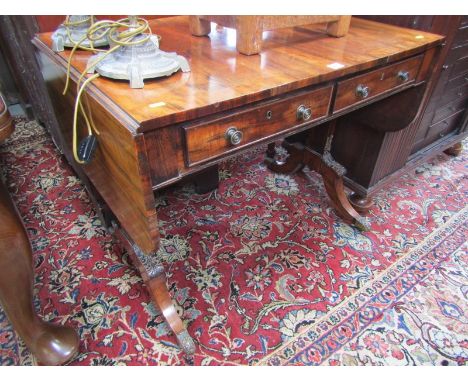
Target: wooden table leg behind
(332,173)
(50,344)
(454,150)
(206,180)
(154,276)
(361,203)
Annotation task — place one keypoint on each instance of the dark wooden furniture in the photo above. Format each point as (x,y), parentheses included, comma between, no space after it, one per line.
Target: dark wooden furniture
(50,344)
(444,119)
(303,81)
(374,158)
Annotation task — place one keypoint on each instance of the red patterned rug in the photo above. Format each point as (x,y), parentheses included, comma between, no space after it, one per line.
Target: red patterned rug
(262,270)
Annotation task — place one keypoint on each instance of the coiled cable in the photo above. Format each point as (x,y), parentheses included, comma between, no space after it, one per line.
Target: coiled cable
(117,38)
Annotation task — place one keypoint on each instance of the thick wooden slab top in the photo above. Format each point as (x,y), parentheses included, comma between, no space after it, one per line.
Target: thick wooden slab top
(221,78)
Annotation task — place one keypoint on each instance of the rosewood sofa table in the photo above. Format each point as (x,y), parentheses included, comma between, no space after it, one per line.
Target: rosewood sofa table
(303,80)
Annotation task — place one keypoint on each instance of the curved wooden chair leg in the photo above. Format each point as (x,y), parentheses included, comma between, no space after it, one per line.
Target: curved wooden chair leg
(50,344)
(6,121)
(293,163)
(154,276)
(332,173)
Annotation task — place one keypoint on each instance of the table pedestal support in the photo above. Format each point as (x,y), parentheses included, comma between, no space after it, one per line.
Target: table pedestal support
(332,173)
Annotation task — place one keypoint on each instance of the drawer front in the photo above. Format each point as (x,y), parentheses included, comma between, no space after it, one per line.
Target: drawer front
(461,36)
(360,89)
(453,94)
(457,82)
(450,109)
(224,135)
(460,67)
(456,53)
(442,128)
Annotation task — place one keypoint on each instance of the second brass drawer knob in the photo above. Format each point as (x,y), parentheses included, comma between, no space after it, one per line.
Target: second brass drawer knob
(304,113)
(362,91)
(234,136)
(403,76)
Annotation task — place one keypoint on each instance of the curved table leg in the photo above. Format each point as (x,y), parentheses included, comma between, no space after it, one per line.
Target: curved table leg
(331,171)
(332,174)
(154,276)
(160,294)
(50,344)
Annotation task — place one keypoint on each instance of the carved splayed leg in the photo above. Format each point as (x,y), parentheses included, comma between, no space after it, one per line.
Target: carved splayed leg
(331,171)
(154,276)
(332,174)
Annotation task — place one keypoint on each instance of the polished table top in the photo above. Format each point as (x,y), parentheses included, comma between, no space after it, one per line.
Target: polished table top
(221,78)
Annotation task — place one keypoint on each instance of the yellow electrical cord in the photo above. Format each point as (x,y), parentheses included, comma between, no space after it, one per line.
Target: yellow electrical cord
(99,30)
(78,106)
(67,24)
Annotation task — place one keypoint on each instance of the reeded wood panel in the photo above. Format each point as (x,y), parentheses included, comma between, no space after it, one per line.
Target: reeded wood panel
(209,140)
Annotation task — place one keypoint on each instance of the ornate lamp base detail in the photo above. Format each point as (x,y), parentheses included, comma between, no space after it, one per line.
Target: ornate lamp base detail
(67,36)
(136,63)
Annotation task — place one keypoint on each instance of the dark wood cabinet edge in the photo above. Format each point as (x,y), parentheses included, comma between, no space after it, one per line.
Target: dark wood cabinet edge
(414,161)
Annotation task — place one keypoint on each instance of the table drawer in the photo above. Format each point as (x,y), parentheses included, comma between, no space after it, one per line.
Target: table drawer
(359,89)
(214,138)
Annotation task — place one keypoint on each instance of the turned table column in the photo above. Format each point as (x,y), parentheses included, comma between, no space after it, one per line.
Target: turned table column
(50,344)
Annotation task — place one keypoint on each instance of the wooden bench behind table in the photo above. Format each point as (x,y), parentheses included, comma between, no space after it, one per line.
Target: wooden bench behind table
(187,123)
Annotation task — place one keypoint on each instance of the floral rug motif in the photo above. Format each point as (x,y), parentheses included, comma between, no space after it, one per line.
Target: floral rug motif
(429,325)
(261,269)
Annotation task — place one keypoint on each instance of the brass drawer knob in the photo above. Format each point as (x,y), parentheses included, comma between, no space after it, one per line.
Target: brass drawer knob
(403,75)
(234,136)
(362,91)
(304,113)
